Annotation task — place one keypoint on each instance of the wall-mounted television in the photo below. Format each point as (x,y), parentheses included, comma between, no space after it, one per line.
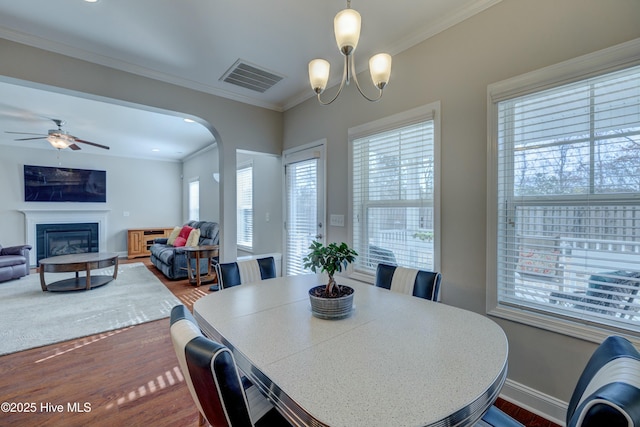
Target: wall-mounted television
(55,184)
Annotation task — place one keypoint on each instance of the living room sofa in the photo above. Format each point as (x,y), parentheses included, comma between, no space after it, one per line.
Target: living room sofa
(172,260)
(14,262)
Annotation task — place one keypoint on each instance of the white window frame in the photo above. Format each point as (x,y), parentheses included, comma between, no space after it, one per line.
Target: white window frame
(194,202)
(416,115)
(244,245)
(608,60)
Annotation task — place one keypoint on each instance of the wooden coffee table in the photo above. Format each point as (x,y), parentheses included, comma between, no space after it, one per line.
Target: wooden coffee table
(77,263)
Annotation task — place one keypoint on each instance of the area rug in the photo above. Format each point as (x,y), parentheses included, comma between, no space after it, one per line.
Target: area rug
(32,318)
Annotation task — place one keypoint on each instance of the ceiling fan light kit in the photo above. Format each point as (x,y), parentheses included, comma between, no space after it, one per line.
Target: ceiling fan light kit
(346,26)
(57,142)
(59,138)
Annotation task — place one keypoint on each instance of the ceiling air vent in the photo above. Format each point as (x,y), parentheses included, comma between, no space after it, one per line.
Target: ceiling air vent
(250,76)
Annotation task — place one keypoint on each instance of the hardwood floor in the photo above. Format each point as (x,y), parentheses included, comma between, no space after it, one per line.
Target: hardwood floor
(127,377)
(527,418)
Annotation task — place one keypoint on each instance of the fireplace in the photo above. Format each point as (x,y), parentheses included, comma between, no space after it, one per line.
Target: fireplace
(64,239)
(35,217)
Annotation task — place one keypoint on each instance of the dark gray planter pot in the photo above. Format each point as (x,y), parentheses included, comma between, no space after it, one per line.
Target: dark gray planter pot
(331,308)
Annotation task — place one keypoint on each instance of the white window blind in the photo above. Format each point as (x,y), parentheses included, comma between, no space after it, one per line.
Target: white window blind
(302,218)
(244,194)
(194,200)
(568,212)
(393,196)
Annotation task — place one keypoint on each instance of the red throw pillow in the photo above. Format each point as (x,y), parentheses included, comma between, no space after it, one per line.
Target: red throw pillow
(181,240)
(184,233)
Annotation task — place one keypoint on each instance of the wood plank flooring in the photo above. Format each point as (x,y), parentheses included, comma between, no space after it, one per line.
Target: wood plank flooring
(127,377)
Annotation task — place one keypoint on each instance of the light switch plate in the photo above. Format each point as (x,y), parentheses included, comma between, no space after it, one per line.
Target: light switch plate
(336,220)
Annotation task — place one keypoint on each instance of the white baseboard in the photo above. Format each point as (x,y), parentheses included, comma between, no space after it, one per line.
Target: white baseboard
(546,406)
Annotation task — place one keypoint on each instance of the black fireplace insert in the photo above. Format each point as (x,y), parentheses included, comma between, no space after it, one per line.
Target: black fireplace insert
(64,239)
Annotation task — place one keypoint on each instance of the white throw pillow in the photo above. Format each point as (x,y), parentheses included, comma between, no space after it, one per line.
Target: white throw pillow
(173,235)
(194,238)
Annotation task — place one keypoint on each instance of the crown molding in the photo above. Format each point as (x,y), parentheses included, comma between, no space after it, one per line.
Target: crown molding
(84,55)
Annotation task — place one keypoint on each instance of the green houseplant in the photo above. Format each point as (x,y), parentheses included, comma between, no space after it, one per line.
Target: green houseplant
(330,301)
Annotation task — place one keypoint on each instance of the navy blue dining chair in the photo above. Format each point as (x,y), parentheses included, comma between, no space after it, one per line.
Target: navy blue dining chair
(222,396)
(236,273)
(425,284)
(607,393)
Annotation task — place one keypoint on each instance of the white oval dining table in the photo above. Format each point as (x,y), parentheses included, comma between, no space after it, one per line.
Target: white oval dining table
(396,361)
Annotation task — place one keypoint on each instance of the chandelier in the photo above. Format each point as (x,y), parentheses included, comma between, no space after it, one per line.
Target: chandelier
(346,26)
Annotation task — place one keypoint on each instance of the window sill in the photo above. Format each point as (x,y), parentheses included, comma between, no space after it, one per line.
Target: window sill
(584,331)
(362,277)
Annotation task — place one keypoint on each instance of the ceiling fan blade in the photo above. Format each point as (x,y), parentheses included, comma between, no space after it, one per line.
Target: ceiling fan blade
(74,147)
(29,139)
(23,133)
(92,143)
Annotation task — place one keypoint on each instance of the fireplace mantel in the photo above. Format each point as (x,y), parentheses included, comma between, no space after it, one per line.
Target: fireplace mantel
(63,216)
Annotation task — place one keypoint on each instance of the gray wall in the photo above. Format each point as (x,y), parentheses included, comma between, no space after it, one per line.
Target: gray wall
(455,67)
(267,194)
(149,191)
(226,119)
(203,165)
(267,202)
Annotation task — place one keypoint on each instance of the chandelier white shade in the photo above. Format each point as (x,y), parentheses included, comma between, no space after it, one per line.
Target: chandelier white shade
(319,74)
(346,26)
(380,69)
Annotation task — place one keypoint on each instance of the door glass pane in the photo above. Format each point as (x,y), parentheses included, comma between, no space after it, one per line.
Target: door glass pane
(302,212)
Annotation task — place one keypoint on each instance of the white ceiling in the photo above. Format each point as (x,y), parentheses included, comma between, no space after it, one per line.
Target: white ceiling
(193,43)
(129,132)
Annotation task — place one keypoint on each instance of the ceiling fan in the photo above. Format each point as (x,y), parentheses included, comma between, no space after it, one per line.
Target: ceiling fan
(59,138)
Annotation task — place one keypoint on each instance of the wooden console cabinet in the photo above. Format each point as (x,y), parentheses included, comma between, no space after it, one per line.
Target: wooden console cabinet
(140,239)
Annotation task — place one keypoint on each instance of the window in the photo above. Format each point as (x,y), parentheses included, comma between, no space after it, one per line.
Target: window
(244,194)
(194,199)
(567,203)
(394,191)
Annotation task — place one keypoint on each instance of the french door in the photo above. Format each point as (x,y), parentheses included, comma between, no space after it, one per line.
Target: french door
(304,199)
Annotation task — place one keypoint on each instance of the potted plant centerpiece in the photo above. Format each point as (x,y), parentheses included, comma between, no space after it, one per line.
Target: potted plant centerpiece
(330,301)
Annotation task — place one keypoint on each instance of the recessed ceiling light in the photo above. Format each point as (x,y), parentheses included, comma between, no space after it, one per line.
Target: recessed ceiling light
(155,150)
(189,121)
(91,1)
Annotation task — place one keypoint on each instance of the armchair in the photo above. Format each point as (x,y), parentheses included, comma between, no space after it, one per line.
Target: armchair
(608,293)
(381,255)
(14,262)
